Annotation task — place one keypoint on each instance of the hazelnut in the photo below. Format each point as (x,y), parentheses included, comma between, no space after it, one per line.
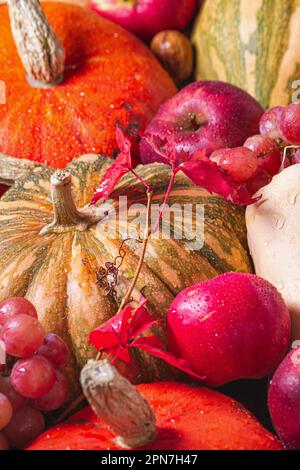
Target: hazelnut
(175,52)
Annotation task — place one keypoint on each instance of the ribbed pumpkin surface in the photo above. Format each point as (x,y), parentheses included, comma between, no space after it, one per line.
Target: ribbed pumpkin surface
(57,271)
(252,44)
(110,78)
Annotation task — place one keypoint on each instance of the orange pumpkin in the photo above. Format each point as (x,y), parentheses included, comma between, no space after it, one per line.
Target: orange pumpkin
(161,415)
(109,78)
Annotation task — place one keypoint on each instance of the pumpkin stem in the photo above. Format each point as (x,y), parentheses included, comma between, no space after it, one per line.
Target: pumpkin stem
(66,214)
(114,399)
(39,49)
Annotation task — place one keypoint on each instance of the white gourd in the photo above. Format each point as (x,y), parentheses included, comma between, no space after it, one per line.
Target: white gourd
(273,226)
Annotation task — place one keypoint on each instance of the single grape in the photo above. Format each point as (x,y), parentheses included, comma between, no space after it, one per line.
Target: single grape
(6,411)
(239,162)
(22,335)
(4,445)
(289,123)
(16,306)
(269,123)
(55,350)
(26,424)
(33,377)
(284,399)
(267,153)
(7,389)
(56,397)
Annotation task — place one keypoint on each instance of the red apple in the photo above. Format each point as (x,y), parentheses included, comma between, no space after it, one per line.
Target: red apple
(145,18)
(233,326)
(284,399)
(204,115)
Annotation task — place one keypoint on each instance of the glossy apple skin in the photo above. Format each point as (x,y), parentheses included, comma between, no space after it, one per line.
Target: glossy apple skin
(145,18)
(204,115)
(233,326)
(284,399)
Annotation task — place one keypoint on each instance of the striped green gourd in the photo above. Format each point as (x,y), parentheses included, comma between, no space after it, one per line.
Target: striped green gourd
(253,44)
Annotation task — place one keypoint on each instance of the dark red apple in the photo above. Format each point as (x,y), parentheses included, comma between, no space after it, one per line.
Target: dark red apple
(204,115)
(284,399)
(233,326)
(145,18)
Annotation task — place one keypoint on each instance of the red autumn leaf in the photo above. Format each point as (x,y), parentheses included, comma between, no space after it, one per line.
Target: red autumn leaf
(124,145)
(119,168)
(201,170)
(165,147)
(141,321)
(154,346)
(110,334)
(123,331)
(199,155)
(117,334)
(209,176)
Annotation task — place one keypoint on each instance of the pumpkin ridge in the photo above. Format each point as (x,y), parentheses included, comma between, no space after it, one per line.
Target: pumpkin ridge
(82,290)
(50,281)
(26,251)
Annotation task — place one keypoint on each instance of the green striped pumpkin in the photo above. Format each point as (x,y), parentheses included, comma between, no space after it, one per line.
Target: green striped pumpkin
(57,270)
(253,44)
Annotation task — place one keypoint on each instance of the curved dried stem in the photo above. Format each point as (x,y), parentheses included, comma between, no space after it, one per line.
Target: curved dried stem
(39,49)
(115,400)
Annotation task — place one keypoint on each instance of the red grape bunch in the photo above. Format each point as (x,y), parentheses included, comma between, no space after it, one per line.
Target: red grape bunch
(261,156)
(34,384)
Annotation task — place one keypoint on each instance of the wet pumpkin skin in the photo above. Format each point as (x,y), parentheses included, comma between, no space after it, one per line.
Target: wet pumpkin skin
(110,78)
(187,417)
(57,272)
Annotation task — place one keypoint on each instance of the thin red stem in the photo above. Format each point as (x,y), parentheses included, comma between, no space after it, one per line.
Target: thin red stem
(138,177)
(167,195)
